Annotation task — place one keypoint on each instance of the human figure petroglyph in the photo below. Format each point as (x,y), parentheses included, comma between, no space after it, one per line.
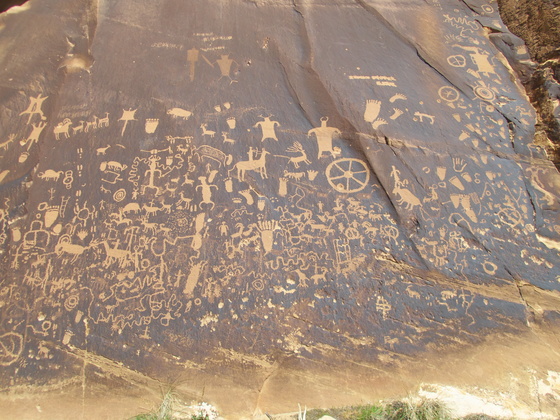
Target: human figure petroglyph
(383,306)
(34,135)
(35,104)
(128,115)
(225,63)
(324,135)
(267,127)
(192,59)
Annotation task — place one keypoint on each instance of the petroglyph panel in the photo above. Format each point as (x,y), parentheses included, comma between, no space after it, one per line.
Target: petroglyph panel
(313,180)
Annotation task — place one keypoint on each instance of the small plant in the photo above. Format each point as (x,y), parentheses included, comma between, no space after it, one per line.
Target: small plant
(204,411)
(371,412)
(164,411)
(423,410)
(397,410)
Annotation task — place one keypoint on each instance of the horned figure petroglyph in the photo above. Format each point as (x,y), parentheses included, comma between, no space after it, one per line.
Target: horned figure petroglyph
(91,125)
(405,195)
(103,122)
(325,135)
(206,132)
(78,128)
(151,209)
(296,160)
(226,138)
(123,256)
(62,128)
(258,165)
(64,246)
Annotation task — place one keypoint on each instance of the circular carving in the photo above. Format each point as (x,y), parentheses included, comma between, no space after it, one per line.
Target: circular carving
(484,93)
(258,284)
(457,61)
(347,175)
(71,302)
(119,195)
(448,93)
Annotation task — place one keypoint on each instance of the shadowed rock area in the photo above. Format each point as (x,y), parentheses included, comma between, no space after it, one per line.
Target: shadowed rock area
(270,203)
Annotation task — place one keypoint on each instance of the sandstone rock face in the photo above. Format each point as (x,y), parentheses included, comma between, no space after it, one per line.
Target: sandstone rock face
(245,190)
(537,23)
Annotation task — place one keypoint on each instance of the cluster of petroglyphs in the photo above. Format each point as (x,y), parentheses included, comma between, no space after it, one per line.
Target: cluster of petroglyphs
(193,214)
(206,53)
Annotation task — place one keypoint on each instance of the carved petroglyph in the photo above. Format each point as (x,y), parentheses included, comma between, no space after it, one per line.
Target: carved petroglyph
(35,107)
(324,136)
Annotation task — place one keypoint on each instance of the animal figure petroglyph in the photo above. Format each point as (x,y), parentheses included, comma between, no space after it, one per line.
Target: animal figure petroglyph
(91,125)
(179,113)
(298,148)
(151,210)
(112,166)
(226,138)
(206,132)
(62,128)
(69,248)
(103,122)
(150,228)
(258,165)
(50,175)
(102,150)
(78,128)
(405,196)
(123,256)
(294,175)
(131,208)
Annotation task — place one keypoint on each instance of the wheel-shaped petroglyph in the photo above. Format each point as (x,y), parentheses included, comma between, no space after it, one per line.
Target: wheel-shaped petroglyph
(348,175)
(448,93)
(457,60)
